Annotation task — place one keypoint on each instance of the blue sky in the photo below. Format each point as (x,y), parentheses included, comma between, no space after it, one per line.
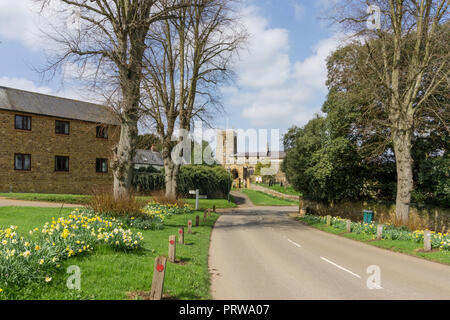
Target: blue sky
(281,77)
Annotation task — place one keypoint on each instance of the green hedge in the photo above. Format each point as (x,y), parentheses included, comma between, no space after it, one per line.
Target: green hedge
(212,181)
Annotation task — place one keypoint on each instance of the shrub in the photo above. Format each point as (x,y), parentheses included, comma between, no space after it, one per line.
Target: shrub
(213,181)
(104,202)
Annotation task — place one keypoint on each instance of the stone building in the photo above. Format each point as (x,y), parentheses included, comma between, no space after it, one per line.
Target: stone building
(148,158)
(243,164)
(54,145)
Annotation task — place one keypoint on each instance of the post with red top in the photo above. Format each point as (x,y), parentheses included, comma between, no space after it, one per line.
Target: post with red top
(172,248)
(158,278)
(181,235)
(190,226)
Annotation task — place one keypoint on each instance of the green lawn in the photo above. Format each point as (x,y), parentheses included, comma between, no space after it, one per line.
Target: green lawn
(84,199)
(288,190)
(407,247)
(62,198)
(263,199)
(208,203)
(107,274)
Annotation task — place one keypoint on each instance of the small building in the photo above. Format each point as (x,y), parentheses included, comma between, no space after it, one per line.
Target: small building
(148,158)
(54,145)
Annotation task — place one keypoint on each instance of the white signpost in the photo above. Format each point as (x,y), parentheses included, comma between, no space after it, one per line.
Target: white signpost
(197,197)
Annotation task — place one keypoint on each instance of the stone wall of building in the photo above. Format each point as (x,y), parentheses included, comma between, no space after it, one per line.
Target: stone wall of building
(43,144)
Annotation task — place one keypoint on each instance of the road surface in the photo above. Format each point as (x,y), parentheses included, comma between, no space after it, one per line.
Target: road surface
(260,253)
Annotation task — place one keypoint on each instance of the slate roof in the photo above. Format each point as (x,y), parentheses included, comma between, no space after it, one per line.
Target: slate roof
(148,157)
(42,104)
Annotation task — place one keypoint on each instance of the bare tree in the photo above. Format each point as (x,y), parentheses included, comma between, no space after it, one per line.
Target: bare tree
(188,58)
(406,63)
(110,38)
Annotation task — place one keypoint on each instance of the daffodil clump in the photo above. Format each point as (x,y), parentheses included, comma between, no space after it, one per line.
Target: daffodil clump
(154,214)
(166,209)
(34,258)
(390,232)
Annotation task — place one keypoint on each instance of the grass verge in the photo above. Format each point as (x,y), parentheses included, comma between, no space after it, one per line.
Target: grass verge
(84,199)
(110,275)
(285,190)
(263,199)
(406,247)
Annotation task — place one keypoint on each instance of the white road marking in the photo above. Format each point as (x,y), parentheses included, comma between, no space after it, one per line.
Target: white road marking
(294,243)
(338,266)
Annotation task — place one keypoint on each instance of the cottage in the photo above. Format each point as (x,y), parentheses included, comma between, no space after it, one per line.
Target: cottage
(148,158)
(54,145)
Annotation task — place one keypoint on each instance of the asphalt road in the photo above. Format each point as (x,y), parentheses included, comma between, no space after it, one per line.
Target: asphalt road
(263,254)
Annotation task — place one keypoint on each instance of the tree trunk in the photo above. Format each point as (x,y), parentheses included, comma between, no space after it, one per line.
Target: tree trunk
(124,154)
(171,172)
(404,162)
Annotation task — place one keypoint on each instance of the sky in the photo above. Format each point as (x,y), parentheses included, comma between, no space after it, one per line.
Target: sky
(280,75)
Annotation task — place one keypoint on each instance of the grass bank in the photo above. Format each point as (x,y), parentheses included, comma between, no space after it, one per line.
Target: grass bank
(263,199)
(402,246)
(285,190)
(107,274)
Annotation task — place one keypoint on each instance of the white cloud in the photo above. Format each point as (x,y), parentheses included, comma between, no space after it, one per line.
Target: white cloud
(18,21)
(70,92)
(299,10)
(272,91)
(24,84)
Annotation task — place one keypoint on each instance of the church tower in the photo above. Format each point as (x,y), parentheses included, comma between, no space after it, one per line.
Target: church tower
(226,148)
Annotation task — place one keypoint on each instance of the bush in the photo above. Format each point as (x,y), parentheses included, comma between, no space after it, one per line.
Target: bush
(143,181)
(104,202)
(213,181)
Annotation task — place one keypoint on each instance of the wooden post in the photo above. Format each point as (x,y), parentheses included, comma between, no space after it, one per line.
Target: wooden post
(380,232)
(204,215)
(349,226)
(159,272)
(328,220)
(197,221)
(190,226)
(181,235)
(427,240)
(302,208)
(214,208)
(172,248)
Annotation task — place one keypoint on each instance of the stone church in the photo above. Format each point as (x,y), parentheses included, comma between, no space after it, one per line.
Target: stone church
(243,164)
